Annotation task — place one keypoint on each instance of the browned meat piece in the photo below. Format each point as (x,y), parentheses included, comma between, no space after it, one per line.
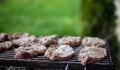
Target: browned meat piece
(70,40)
(25,41)
(4,46)
(50,53)
(17,36)
(93,41)
(3,36)
(47,40)
(91,55)
(25,52)
(61,52)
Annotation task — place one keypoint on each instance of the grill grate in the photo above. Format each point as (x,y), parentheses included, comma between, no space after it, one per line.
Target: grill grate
(25,68)
(7,59)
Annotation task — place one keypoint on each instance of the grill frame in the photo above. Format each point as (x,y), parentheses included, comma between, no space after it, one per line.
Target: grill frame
(7,59)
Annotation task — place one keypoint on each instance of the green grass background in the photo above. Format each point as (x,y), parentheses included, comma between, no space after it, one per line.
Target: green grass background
(42,17)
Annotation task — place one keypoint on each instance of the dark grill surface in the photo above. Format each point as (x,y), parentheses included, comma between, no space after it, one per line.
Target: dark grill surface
(7,59)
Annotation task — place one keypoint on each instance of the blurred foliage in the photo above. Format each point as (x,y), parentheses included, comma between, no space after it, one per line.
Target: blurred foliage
(99,14)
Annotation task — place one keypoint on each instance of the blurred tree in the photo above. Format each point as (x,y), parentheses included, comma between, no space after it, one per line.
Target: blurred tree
(100,15)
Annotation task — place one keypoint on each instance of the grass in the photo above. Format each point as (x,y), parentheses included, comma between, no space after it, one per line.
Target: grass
(41,17)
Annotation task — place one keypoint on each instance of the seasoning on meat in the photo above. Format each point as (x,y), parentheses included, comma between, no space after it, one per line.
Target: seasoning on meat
(3,37)
(5,46)
(47,40)
(25,41)
(91,55)
(93,41)
(26,52)
(61,52)
(70,40)
(17,35)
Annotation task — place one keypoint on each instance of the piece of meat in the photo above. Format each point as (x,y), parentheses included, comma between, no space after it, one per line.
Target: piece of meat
(47,40)
(32,51)
(50,52)
(70,40)
(3,37)
(25,41)
(91,55)
(17,35)
(93,41)
(4,46)
(61,52)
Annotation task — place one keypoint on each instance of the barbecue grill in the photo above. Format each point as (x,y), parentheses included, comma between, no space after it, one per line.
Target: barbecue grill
(7,59)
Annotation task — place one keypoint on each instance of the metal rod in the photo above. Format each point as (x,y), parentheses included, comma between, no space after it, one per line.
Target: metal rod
(66,68)
(85,68)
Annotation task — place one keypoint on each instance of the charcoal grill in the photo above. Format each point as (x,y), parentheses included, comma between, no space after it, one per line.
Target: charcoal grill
(7,59)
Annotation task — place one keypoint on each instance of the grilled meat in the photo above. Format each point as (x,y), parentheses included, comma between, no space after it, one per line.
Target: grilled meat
(70,40)
(17,35)
(25,41)
(3,37)
(93,41)
(47,40)
(61,52)
(4,46)
(26,52)
(91,55)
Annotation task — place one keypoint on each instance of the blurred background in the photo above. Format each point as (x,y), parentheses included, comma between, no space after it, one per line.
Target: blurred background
(99,18)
